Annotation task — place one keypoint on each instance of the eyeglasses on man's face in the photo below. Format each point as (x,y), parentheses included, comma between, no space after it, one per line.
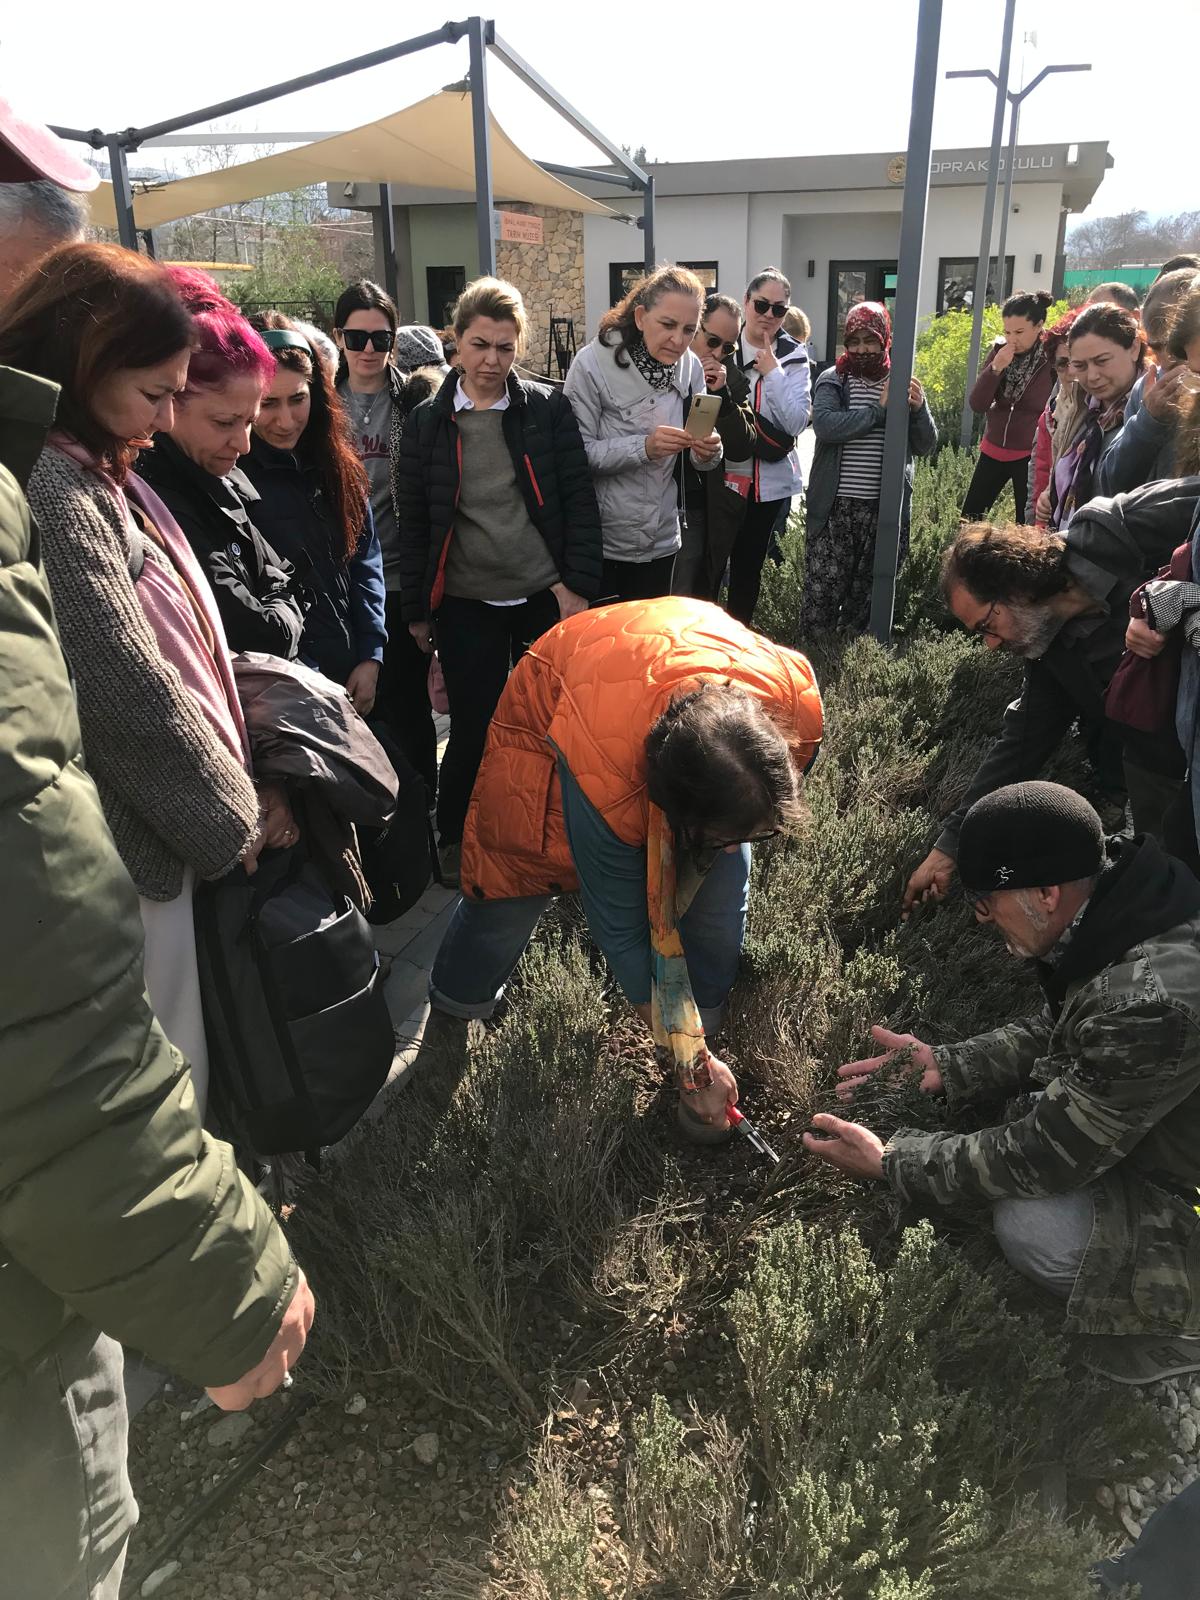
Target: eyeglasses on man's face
(983,628)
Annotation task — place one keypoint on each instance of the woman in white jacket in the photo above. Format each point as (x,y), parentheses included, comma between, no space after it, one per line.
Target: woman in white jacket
(630,389)
(781,392)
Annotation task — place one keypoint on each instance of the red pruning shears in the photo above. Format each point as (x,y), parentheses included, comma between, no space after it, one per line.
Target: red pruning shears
(744,1126)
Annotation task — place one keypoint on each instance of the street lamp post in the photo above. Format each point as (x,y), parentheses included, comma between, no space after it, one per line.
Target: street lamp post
(979,295)
(1015,100)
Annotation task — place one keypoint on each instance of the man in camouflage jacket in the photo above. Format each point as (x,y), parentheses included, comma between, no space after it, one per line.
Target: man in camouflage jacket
(1094,1181)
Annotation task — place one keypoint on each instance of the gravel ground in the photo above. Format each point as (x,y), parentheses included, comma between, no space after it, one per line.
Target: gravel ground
(1133,1504)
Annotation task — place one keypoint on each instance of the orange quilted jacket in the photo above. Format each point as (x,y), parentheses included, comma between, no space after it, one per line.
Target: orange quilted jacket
(591,689)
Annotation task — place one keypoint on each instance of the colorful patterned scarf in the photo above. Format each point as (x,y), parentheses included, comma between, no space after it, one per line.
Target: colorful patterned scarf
(867,317)
(1022,370)
(674,1015)
(1075,473)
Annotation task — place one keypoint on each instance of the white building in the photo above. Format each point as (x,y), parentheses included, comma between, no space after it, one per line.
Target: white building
(832,223)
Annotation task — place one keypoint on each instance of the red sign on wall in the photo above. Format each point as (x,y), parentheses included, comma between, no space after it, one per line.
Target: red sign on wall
(517,228)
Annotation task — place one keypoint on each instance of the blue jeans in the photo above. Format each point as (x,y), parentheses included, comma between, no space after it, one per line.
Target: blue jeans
(486,939)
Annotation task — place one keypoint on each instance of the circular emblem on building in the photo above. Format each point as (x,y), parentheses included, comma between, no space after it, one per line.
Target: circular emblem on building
(896,169)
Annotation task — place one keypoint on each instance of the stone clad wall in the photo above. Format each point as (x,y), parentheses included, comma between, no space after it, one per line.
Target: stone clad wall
(549,276)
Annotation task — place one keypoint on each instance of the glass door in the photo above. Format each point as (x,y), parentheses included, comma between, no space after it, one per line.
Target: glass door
(850,282)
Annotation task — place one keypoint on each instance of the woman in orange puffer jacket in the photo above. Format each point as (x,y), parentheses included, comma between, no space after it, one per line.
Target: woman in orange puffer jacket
(635,754)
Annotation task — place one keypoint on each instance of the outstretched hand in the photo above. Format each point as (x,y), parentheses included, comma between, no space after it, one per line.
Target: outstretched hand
(855,1073)
(846,1145)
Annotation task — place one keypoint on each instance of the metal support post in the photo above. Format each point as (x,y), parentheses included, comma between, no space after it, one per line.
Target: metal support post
(387,243)
(148,240)
(551,96)
(648,225)
(590,174)
(448,33)
(904,339)
(122,193)
(1014,123)
(989,222)
(477,37)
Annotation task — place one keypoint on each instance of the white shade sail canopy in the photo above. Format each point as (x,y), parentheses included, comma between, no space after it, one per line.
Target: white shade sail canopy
(429,145)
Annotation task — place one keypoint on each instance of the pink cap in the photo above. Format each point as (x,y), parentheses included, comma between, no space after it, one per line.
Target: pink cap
(28,151)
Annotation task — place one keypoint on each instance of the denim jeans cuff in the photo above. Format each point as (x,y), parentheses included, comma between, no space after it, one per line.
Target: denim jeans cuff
(467,1009)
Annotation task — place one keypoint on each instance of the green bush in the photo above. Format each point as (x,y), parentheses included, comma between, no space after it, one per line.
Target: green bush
(884,1394)
(894,1411)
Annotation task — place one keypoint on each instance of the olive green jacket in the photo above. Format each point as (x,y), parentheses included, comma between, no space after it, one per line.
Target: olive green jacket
(115,1206)
(1118,1068)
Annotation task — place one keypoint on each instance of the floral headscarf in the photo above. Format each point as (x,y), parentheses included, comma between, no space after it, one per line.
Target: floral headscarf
(867,317)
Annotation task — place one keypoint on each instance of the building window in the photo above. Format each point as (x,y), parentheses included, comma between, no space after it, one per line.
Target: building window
(956,283)
(706,271)
(443,286)
(622,275)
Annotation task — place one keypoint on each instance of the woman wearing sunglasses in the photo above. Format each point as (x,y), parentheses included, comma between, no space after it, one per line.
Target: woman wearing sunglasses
(776,367)
(636,754)
(313,507)
(374,356)
(713,512)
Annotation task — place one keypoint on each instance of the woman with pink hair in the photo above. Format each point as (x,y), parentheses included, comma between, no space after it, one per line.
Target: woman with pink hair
(193,468)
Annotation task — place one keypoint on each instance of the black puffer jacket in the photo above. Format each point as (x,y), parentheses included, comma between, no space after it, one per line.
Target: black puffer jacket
(552,472)
(258,594)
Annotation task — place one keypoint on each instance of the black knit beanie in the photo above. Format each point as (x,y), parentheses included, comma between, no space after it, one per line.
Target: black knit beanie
(1028,836)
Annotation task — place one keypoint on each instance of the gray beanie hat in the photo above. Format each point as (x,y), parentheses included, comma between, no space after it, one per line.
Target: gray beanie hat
(1028,836)
(418,346)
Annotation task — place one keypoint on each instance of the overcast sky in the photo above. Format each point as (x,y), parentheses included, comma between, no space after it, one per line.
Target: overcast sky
(798,80)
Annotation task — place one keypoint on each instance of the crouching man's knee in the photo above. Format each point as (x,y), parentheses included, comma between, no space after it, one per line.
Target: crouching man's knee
(1045,1239)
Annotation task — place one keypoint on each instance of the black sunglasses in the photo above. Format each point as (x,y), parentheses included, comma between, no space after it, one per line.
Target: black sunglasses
(777,308)
(356,339)
(715,342)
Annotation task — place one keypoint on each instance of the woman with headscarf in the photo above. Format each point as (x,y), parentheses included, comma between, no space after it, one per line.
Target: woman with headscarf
(1011,392)
(849,408)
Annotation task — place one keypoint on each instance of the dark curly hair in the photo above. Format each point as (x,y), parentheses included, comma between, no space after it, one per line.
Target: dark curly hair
(1006,562)
(326,438)
(719,767)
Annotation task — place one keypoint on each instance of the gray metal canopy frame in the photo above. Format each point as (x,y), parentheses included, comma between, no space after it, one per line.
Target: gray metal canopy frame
(481,37)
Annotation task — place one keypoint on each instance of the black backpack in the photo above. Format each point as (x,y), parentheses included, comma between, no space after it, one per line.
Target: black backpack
(397,860)
(299,1037)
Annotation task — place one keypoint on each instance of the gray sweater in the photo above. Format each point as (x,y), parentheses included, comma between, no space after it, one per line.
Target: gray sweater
(172,791)
(496,552)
